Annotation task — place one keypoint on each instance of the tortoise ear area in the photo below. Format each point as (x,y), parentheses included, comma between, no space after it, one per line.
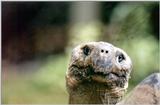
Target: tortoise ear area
(86,50)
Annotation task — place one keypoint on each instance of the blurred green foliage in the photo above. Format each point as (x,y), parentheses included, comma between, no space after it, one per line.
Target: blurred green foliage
(47,86)
(84,32)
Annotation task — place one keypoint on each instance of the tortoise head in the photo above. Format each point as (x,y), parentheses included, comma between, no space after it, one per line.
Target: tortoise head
(101,62)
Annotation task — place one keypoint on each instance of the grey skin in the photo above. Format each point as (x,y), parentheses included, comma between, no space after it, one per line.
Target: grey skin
(98,73)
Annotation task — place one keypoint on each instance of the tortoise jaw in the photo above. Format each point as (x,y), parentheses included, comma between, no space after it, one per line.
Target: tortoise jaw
(105,77)
(110,79)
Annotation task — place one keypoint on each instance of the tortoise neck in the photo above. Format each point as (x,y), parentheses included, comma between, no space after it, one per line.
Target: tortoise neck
(95,94)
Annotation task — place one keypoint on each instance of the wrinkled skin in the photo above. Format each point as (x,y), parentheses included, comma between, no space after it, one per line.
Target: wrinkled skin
(98,73)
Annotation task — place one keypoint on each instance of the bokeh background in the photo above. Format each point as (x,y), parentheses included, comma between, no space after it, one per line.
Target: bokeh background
(37,39)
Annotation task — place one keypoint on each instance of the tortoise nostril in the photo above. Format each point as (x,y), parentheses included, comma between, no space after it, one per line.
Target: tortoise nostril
(102,51)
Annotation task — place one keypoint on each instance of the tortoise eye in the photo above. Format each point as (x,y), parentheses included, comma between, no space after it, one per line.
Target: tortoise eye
(86,50)
(121,58)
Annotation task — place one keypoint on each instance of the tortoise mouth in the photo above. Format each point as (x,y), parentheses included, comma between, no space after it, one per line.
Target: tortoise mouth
(103,74)
(110,77)
(105,78)
(107,74)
